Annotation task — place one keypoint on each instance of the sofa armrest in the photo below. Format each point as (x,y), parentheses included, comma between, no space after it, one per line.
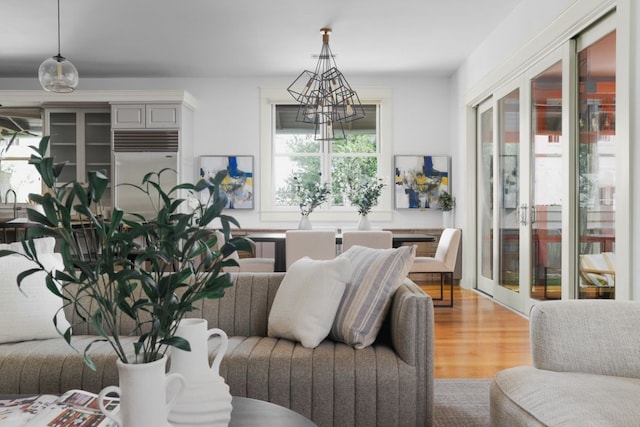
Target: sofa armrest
(411,328)
(411,317)
(589,336)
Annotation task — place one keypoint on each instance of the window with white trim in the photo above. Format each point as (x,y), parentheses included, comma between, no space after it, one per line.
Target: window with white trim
(289,149)
(17,177)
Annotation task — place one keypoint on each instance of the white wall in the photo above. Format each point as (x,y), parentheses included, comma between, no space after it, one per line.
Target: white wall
(227,122)
(526,21)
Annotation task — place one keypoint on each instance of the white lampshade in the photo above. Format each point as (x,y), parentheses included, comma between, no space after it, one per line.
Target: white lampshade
(57,74)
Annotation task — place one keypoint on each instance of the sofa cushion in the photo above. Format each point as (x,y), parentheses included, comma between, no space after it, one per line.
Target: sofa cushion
(52,366)
(528,396)
(376,274)
(27,313)
(307,300)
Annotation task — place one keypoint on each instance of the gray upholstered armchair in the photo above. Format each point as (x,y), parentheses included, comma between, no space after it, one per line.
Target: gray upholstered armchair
(586,368)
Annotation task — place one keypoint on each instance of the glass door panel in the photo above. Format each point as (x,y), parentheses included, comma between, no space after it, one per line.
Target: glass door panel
(546,186)
(63,146)
(509,189)
(485,193)
(596,168)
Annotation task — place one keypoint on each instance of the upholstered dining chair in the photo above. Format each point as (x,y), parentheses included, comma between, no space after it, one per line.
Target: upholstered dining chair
(376,239)
(443,263)
(250,264)
(316,244)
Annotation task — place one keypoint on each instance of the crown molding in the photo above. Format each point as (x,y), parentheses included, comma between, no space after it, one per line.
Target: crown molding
(29,98)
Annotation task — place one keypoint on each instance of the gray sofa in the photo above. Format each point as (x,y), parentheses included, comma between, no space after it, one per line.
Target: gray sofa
(586,368)
(387,384)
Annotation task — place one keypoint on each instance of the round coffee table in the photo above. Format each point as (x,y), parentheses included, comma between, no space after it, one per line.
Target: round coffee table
(249,412)
(253,412)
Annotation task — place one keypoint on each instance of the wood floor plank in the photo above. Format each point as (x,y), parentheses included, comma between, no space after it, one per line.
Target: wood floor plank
(477,337)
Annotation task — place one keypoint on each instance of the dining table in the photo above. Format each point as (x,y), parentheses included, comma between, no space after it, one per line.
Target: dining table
(280,246)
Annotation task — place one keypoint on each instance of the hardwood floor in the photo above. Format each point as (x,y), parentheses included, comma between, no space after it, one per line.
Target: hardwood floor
(477,337)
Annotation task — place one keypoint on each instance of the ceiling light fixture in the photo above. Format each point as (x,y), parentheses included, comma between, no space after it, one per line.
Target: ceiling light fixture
(325,97)
(58,74)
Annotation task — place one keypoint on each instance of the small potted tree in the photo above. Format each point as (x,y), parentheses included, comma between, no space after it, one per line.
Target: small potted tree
(446,203)
(308,192)
(364,194)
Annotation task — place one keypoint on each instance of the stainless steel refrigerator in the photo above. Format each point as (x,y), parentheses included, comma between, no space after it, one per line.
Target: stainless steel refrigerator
(130,168)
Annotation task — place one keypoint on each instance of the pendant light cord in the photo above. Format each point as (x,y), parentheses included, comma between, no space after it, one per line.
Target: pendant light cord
(58,27)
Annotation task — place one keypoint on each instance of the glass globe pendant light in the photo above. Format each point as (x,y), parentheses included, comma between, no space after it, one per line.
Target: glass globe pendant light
(58,74)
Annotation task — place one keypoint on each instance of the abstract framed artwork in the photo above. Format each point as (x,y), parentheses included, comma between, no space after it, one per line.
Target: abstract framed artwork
(239,182)
(419,180)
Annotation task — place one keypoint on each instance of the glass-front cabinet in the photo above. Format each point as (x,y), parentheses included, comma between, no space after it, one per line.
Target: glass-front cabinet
(81,137)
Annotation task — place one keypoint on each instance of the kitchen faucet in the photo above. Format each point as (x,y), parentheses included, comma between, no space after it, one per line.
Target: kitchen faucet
(15,200)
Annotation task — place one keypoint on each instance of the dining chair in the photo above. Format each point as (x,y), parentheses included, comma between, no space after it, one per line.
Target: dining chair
(316,244)
(442,263)
(15,230)
(249,264)
(376,239)
(86,238)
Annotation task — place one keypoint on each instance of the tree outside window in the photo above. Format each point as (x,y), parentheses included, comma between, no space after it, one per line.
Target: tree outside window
(298,156)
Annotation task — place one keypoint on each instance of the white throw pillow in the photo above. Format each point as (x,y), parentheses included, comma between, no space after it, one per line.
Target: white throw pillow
(376,274)
(26,313)
(306,302)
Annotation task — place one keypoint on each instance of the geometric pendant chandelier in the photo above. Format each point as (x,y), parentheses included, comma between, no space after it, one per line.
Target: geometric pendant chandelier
(325,97)
(58,74)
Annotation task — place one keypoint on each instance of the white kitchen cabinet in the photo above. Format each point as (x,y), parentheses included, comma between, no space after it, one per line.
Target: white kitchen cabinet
(146,116)
(128,116)
(82,138)
(146,138)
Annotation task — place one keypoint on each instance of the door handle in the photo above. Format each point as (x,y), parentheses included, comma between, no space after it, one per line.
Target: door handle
(533,215)
(523,214)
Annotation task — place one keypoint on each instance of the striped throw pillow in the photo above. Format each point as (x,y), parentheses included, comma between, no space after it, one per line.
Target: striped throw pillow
(376,274)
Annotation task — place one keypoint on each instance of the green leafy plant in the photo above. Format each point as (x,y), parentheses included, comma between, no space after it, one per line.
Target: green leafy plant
(364,194)
(307,192)
(151,270)
(446,201)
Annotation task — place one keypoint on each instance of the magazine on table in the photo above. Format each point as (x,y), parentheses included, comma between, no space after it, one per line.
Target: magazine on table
(75,408)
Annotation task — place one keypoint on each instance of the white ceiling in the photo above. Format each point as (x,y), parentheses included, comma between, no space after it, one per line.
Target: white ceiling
(218,38)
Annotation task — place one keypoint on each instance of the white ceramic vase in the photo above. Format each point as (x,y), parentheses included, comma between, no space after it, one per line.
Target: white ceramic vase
(423,201)
(363,223)
(146,393)
(206,400)
(447,219)
(304,224)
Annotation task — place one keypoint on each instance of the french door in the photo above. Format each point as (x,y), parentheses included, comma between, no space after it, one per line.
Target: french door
(486,261)
(520,187)
(499,189)
(546,174)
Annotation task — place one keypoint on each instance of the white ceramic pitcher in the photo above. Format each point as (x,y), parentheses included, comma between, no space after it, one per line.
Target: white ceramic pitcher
(146,393)
(206,399)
